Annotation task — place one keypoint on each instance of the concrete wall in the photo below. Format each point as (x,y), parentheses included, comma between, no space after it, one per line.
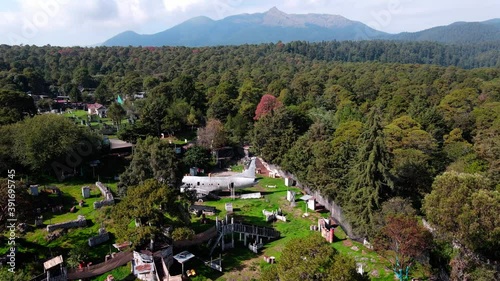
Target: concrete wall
(80,222)
(99,204)
(104,190)
(99,239)
(106,193)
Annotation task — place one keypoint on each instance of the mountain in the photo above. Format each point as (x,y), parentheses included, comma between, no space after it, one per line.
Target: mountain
(458,32)
(271,26)
(275,25)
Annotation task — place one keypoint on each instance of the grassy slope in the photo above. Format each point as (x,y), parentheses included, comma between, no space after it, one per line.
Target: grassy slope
(34,245)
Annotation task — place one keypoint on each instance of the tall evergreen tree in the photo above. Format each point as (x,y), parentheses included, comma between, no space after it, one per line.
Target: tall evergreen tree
(371,182)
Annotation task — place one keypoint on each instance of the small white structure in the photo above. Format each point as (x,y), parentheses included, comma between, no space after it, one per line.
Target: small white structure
(256,195)
(311,204)
(256,246)
(367,244)
(34,190)
(270,216)
(86,192)
(359,268)
(289,182)
(229,207)
(54,273)
(281,218)
(290,196)
(183,257)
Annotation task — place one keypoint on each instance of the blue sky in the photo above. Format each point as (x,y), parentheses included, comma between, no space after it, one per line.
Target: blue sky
(89,22)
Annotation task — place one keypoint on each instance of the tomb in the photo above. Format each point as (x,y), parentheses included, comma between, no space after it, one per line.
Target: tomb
(86,192)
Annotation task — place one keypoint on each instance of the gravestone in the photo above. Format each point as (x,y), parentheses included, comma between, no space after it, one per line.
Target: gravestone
(39,221)
(86,192)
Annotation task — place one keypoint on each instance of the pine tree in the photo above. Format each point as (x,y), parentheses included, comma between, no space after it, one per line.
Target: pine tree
(370,178)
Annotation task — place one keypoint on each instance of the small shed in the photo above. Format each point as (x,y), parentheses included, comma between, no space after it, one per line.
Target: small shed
(290,195)
(52,270)
(183,257)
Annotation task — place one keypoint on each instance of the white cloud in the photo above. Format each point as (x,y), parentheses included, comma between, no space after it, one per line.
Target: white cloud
(173,5)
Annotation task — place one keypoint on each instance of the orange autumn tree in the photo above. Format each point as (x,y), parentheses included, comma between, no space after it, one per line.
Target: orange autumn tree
(266,105)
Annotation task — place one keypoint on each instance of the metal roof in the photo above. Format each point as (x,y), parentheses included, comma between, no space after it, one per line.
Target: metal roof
(53,262)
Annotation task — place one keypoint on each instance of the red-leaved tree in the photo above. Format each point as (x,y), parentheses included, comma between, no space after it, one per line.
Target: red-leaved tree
(402,241)
(267,104)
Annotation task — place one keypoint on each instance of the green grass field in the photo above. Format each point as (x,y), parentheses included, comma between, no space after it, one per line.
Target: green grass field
(246,264)
(96,122)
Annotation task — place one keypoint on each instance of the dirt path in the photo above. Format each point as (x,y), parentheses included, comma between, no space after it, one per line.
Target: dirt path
(120,259)
(198,239)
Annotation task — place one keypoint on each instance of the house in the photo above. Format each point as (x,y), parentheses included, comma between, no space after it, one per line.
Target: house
(96,109)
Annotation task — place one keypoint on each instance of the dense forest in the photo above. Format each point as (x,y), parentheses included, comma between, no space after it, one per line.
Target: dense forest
(390,131)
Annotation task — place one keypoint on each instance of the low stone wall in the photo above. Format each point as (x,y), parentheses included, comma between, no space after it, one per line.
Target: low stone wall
(106,193)
(99,204)
(99,239)
(80,222)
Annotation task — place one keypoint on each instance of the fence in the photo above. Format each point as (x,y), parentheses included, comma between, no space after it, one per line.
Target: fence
(335,210)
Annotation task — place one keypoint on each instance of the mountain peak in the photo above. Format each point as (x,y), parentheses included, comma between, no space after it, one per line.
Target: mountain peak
(275,10)
(275,17)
